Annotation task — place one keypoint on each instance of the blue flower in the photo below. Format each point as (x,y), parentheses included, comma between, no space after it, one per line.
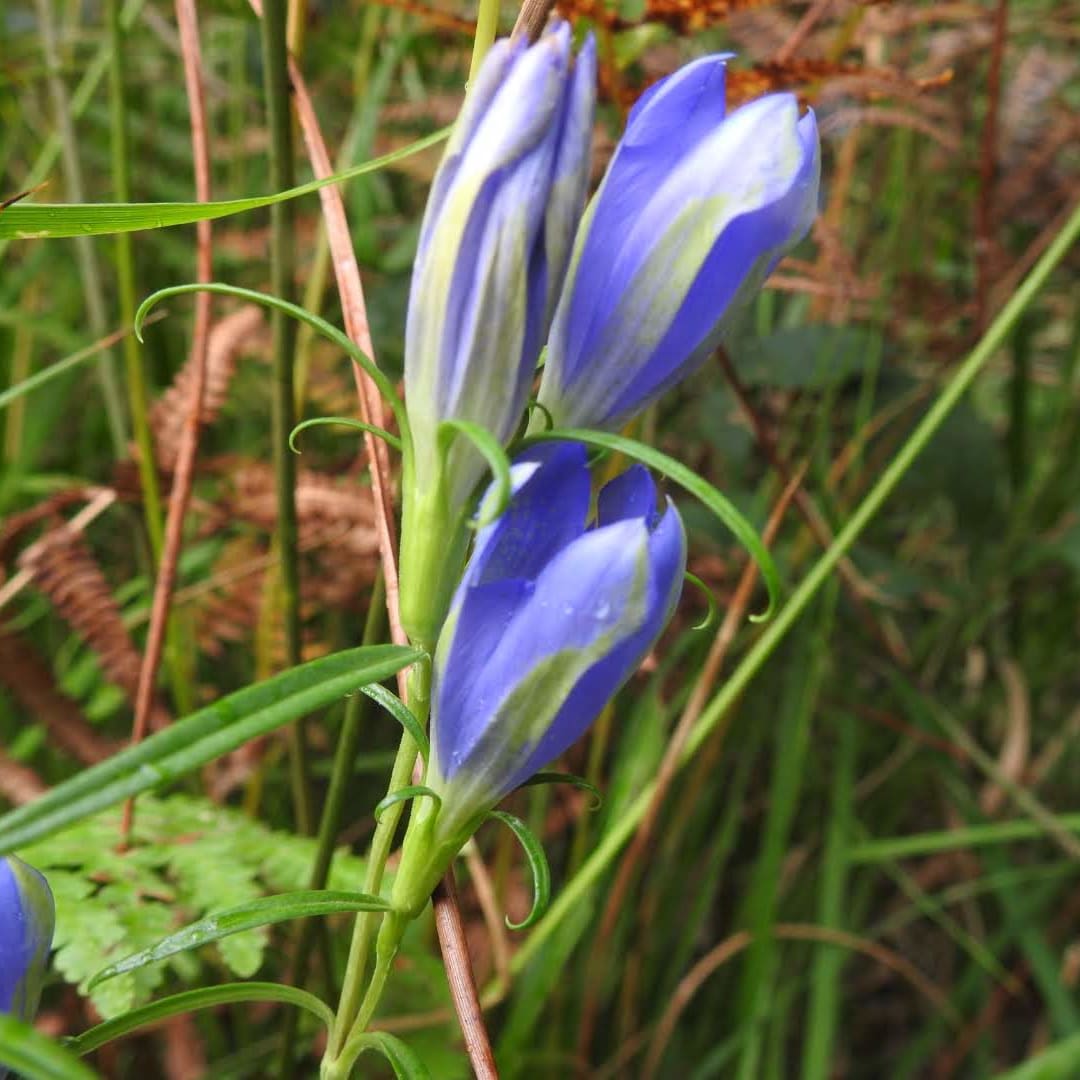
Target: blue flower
(551,618)
(495,240)
(494,245)
(695,211)
(27,917)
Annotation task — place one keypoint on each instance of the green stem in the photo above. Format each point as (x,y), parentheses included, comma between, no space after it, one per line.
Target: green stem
(85,256)
(125,280)
(487,25)
(386,947)
(134,378)
(282,263)
(333,811)
(349,1007)
(774,633)
(391,932)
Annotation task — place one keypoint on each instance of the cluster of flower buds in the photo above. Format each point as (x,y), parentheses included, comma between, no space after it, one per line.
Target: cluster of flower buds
(493,250)
(623,298)
(26,929)
(630,294)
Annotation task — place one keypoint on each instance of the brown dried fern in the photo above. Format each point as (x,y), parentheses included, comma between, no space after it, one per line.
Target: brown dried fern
(228,338)
(323,506)
(63,567)
(337,536)
(18,783)
(30,681)
(230,612)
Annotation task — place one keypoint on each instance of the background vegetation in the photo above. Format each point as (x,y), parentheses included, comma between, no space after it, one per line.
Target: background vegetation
(866,863)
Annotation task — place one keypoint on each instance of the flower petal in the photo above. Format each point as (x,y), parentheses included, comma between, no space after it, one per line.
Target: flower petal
(548,510)
(589,597)
(631,494)
(668,121)
(570,176)
(484,613)
(599,684)
(705,238)
(476,313)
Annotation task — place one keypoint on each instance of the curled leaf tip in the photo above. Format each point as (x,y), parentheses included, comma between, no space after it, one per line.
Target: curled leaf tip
(538,863)
(534,405)
(596,799)
(710,616)
(494,454)
(344,421)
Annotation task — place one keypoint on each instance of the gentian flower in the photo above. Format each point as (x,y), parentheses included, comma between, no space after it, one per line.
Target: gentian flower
(494,245)
(27,917)
(695,211)
(552,616)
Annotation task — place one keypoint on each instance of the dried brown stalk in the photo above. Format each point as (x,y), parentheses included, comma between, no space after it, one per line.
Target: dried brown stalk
(180,495)
(532,18)
(717,957)
(455,952)
(354,310)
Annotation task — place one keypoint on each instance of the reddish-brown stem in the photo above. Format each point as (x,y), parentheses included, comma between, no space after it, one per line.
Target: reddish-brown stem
(180,496)
(455,952)
(354,309)
(372,411)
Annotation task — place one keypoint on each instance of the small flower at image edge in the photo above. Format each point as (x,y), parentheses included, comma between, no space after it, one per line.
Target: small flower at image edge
(494,245)
(27,917)
(695,210)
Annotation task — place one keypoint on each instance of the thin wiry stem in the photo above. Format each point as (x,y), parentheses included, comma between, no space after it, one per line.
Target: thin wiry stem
(125,280)
(89,270)
(348,742)
(282,263)
(183,476)
(366,922)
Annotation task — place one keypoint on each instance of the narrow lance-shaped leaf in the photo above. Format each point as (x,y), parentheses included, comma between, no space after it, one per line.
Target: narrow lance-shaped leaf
(205,997)
(401,1057)
(200,738)
(32,221)
(263,912)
